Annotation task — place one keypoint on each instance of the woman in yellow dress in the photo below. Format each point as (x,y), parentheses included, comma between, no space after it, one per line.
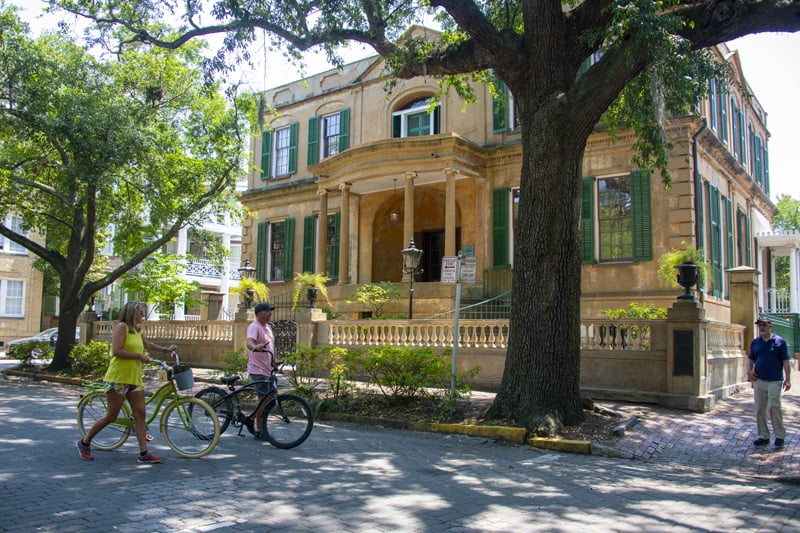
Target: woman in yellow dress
(123,379)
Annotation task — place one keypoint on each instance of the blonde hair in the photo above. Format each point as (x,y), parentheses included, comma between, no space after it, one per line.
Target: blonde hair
(128,314)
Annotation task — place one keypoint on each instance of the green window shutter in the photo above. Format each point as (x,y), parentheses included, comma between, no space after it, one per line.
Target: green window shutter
(397,126)
(50,305)
(728,242)
(714,220)
(344,129)
(437,119)
(500,229)
(742,138)
(723,117)
(294,129)
(308,243)
(699,209)
(288,258)
(642,216)
(313,141)
(587,220)
(337,219)
(500,107)
(266,149)
(747,252)
(766,169)
(583,68)
(759,168)
(261,251)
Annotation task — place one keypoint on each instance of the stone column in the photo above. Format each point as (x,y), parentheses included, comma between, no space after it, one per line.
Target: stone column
(344,236)
(322,232)
(450,212)
(408,219)
(794,280)
(687,380)
(183,247)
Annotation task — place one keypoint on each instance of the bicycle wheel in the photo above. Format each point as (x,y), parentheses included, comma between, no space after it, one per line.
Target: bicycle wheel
(190,427)
(287,421)
(248,399)
(94,406)
(223,406)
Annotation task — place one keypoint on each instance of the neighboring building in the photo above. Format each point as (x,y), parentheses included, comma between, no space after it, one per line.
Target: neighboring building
(346,175)
(20,288)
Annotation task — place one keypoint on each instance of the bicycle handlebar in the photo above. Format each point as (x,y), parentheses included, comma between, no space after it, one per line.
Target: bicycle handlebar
(164,364)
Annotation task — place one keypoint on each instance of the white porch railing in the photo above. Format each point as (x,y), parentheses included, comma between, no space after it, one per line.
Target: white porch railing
(433,333)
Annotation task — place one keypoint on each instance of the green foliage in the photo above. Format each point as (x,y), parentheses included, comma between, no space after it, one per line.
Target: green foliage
(138,143)
(667,273)
(376,296)
(90,360)
(26,352)
(788,217)
(260,289)
(158,280)
(637,311)
(308,280)
(234,362)
(307,368)
(403,371)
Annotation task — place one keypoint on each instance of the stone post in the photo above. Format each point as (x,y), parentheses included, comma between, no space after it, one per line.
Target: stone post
(744,295)
(87,321)
(687,382)
(308,321)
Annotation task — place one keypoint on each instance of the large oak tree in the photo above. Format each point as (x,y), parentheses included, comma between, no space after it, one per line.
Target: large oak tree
(537,47)
(126,151)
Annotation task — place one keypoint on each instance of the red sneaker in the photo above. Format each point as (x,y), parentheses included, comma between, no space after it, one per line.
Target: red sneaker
(85,450)
(149,458)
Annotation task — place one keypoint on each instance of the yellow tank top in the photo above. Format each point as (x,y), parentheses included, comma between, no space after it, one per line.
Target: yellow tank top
(127,371)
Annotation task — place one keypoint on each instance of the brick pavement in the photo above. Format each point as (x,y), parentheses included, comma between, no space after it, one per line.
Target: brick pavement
(719,439)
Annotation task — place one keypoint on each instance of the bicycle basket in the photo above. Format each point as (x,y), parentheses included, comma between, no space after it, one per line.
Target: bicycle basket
(182,374)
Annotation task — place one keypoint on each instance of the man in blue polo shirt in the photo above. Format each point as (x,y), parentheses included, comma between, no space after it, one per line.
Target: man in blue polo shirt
(769,363)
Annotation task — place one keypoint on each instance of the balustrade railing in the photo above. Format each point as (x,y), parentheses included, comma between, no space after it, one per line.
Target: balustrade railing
(190,330)
(623,334)
(434,333)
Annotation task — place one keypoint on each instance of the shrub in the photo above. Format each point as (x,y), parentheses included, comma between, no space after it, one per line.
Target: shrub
(90,360)
(307,368)
(636,310)
(376,295)
(26,352)
(402,372)
(234,362)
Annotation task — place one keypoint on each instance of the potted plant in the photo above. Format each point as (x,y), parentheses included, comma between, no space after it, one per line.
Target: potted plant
(668,272)
(252,290)
(311,284)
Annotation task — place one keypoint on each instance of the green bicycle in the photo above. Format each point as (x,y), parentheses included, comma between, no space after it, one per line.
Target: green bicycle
(189,426)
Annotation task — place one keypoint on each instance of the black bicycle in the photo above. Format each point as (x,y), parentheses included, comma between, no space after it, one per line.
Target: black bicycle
(286,419)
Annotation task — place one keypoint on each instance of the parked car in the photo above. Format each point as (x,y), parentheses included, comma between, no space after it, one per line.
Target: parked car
(50,335)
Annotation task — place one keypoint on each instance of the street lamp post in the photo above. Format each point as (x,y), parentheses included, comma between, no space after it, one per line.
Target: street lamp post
(411,258)
(246,272)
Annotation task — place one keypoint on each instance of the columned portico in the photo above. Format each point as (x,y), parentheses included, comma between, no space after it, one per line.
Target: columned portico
(322,232)
(450,212)
(780,245)
(344,240)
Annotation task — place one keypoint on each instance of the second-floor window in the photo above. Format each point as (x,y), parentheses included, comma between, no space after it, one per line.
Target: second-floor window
(279,152)
(504,109)
(615,219)
(416,119)
(12,296)
(9,246)
(277,251)
(328,135)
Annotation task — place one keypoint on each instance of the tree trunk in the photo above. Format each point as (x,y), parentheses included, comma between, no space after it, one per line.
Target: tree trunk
(541,382)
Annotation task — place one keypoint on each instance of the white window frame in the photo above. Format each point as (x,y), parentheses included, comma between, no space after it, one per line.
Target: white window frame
(275,271)
(4,298)
(7,245)
(329,141)
(418,107)
(281,147)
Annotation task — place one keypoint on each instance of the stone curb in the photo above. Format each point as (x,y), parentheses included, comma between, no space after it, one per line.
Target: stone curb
(514,435)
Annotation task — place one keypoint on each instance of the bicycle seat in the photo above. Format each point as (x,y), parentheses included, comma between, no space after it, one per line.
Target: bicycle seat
(229,380)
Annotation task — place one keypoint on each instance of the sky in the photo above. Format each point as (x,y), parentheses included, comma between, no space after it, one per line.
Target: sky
(769,62)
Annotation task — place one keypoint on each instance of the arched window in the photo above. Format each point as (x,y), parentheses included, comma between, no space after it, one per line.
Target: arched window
(416,119)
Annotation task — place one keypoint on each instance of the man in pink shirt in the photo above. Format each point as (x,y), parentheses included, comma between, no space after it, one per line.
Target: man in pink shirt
(261,361)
